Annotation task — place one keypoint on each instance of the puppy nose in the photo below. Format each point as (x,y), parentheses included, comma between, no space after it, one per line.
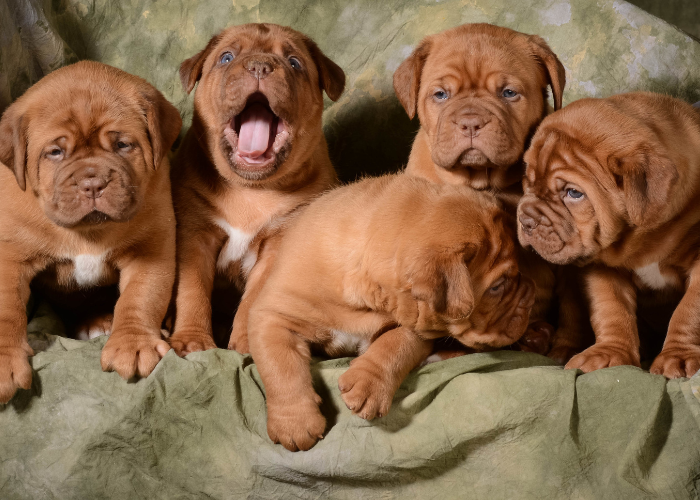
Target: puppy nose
(471,124)
(92,186)
(528,218)
(259,69)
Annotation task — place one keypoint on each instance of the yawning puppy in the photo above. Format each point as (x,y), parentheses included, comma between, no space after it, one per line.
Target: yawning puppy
(86,202)
(480,91)
(616,182)
(380,268)
(255,151)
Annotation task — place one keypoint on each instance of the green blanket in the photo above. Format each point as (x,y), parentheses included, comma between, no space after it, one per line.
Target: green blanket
(503,425)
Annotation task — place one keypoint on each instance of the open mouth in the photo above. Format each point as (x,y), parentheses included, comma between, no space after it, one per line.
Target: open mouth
(95,217)
(256,135)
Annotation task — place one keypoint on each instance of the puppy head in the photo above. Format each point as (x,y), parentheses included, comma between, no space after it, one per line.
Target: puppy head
(479,91)
(465,277)
(260,98)
(594,174)
(86,139)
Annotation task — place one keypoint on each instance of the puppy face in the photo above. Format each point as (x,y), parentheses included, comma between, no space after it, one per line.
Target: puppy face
(260,97)
(594,172)
(470,277)
(479,91)
(86,139)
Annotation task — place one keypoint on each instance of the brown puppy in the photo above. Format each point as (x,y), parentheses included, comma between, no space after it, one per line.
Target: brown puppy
(616,182)
(255,151)
(90,206)
(480,91)
(380,268)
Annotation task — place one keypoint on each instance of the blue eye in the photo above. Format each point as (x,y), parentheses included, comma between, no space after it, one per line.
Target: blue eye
(573,193)
(295,63)
(441,95)
(226,58)
(509,94)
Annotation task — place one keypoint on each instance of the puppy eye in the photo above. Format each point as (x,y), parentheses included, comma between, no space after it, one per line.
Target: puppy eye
(226,58)
(497,286)
(509,93)
(441,95)
(123,146)
(295,63)
(573,193)
(55,153)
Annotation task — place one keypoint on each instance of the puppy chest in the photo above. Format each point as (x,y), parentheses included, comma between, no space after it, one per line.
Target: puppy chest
(82,271)
(652,276)
(236,249)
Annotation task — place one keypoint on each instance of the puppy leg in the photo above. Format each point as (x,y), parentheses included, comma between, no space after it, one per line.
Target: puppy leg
(15,371)
(282,358)
(146,283)
(680,356)
(613,302)
(196,270)
(369,385)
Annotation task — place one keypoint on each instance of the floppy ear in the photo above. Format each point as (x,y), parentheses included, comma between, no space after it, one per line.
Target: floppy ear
(331,76)
(647,181)
(191,69)
(13,144)
(555,69)
(164,123)
(444,282)
(407,78)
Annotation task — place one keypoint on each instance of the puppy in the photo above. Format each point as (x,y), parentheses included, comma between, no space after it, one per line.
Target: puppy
(616,183)
(380,268)
(85,201)
(480,91)
(255,151)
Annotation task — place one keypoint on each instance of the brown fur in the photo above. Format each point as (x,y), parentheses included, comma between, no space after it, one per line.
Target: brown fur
(87,126)
(633,163)
(389,264)
(213,185)
(477,137)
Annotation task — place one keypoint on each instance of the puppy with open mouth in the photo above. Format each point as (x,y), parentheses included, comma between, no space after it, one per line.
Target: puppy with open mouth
(255,151)
(615,183)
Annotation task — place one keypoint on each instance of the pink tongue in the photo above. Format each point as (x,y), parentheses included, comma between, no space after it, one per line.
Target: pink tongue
(254,135)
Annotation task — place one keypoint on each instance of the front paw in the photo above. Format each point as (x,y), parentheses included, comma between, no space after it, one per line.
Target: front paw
(296,427)
(94,327)
(603,355)
(366,390)
(15,370)
(185,342)
(132,352)
(563,353)
(676,362)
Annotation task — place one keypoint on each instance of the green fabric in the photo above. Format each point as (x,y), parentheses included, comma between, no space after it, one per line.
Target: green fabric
(501,425)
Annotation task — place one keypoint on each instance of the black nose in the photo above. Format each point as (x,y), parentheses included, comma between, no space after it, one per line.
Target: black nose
(471,123)
(259,69)
(92,187)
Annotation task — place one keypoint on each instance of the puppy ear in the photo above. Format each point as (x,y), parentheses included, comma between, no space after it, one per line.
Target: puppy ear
(331,76)
(444,282)
(13,144)
(164,123)
(191,69)
(555,69)
(648,178)
(407,78)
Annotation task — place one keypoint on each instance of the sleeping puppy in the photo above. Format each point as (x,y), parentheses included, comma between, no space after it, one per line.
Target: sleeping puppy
(85,201)
(480,91)
(380,268)
(616,182)
(255,150)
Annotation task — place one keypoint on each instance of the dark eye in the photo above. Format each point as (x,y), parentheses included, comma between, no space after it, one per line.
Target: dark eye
(226,58)
(123,146)
(55,153)
(573,193)
(440,95)
(509,93)
(295,63)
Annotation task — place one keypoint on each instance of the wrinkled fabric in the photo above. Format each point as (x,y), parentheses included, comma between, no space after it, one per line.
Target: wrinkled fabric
(503,425)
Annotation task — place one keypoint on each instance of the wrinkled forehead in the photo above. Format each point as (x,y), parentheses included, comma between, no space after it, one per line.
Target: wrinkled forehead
(264,38)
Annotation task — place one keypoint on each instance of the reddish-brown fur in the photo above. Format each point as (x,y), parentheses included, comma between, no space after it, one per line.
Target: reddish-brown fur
(615,183)
(87,126)
(380,268)
(213,186)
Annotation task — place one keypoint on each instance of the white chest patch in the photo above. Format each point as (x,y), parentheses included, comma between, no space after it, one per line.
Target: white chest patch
(236,248)
(349,343)
(651,276)
(88,269)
